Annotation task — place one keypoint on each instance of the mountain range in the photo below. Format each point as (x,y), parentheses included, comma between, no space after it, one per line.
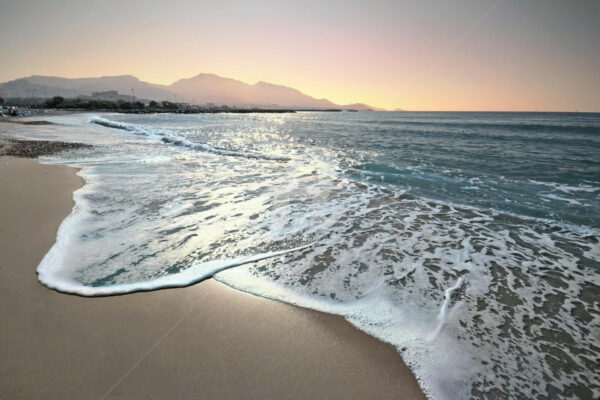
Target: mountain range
(201,89)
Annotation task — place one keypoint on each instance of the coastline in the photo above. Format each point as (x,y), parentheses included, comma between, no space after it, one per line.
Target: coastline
(205,340)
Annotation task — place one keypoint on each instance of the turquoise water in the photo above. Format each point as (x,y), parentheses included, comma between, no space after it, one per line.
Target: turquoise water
(531,164)
(470,241)
(542,165)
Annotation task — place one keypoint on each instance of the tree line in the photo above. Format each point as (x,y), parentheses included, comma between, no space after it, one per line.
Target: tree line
(60,102)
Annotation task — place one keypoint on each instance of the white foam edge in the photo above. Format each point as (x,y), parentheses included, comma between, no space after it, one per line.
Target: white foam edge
(411,338)
(53,274)
(159,134)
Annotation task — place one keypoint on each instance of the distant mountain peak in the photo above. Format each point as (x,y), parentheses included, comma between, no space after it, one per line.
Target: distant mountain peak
(263,83)
(210,76)
(207,74)
(132,77)
(200,89)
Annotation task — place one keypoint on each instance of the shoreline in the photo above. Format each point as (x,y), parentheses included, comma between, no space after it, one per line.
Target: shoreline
(204,340)
(193,110)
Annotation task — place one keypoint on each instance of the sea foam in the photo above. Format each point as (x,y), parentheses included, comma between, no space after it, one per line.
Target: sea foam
(168,137)
(484,292)
(53,273)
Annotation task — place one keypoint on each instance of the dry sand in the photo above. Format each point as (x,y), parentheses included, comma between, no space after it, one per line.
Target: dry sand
(206,341)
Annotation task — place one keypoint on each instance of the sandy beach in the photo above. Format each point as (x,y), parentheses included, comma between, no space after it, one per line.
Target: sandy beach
(298,200)
(205,341)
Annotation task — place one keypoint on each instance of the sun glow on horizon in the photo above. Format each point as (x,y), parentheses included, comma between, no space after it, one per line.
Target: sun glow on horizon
(468,55)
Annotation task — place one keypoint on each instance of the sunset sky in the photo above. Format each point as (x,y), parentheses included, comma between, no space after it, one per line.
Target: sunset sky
(416,55)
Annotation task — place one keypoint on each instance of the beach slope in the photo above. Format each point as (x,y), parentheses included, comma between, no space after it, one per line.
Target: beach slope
(205,341)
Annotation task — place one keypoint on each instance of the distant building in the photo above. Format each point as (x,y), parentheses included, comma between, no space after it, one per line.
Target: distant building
(111,95)
(108,93)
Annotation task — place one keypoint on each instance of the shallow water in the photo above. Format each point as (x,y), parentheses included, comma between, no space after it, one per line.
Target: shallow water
(470,241)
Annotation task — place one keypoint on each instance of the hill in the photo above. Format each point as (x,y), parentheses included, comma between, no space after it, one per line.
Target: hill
(200,89)
(49,86)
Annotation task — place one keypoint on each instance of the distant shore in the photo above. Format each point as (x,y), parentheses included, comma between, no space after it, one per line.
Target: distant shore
(23,107)
(203,341)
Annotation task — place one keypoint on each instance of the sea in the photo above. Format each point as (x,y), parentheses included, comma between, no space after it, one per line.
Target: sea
(468,241)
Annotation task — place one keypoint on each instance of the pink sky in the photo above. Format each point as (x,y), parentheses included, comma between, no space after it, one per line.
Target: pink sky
(417,55)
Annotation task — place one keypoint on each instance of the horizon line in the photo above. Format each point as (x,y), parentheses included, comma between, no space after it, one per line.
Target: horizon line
(315,97)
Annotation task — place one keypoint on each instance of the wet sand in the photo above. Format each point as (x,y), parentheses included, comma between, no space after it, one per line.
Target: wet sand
(206,341)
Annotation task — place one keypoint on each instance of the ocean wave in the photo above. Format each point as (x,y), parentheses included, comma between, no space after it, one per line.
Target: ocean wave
(52,271)
(567,188)
(168,137)
(448,287)
(479,302)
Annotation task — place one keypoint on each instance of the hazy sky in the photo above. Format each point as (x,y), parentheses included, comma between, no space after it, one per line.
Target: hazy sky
(417,55)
